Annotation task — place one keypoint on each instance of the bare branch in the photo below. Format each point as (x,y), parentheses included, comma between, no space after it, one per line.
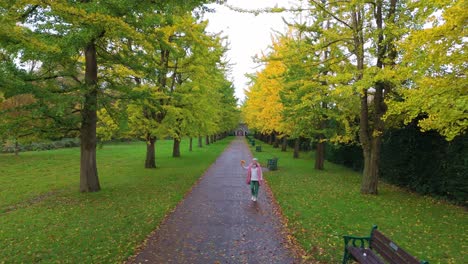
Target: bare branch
(28,12)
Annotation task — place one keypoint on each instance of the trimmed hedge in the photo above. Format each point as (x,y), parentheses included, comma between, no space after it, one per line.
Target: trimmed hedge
(346,155)
(426,163)
(38,146)
(422,162)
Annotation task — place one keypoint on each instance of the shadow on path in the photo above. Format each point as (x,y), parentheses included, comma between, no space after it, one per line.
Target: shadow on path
(218,223)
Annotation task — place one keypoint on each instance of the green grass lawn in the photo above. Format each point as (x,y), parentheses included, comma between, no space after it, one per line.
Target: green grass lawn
(322,206)
(44,218)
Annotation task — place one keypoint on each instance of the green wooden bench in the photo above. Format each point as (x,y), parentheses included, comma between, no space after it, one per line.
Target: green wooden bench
(272,164)
(258,148)
(374,248)
(252,142)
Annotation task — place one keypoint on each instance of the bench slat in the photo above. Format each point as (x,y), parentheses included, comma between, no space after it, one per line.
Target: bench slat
(387,255)
(389,250)
(364,255)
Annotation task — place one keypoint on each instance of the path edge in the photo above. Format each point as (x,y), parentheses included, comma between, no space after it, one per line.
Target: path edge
(140,247)
(298,251)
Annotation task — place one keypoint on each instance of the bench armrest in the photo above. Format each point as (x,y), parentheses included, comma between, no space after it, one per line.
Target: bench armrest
(354,241)
(357,241)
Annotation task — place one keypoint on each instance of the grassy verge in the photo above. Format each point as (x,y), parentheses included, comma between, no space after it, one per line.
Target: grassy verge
(322,206)
(43,217)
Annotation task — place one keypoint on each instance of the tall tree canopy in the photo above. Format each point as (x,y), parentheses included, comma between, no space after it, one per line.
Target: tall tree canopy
(382,55)
(434,67)
(262,110)
(76,57)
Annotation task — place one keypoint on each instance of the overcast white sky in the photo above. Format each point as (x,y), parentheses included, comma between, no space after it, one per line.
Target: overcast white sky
(247,34)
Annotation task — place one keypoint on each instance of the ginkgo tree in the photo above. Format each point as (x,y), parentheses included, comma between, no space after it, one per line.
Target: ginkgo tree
(183,93)
(298,99)
(57,26)
(366,32)
(312,92)
(262,110)
(435,65)
(68,44)
(201,93)
(378,52)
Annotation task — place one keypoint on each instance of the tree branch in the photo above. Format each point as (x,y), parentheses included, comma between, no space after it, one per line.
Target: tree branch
(28,12)
(332,15)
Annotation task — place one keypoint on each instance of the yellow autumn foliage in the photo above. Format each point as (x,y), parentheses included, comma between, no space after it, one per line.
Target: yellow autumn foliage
(263,108)
(435,59)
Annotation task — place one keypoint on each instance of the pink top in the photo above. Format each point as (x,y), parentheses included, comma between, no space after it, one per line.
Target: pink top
(259,173)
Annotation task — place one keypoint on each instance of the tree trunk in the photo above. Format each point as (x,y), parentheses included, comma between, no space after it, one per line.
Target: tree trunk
(211,139)
(207,140)
(176,148)
(320,151)
(150,161)
(296,148)
(372,138)
(16,147)
(369,179)
(270,139)
(89,181)
(276,140)
(190,144)
(151,114)
(319,156)
(284,143)
(371,176)
(200,141)
(373,167)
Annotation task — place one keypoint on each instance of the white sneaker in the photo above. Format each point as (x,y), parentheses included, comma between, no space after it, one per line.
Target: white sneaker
(252,198)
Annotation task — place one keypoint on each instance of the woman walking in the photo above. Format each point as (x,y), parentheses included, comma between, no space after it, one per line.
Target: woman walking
(254,177)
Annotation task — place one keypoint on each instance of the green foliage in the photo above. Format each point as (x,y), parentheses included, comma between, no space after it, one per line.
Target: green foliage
(314,97)
(322,206)
(348,63)
(76,58)
(189,95)
(434,66)
(44,219)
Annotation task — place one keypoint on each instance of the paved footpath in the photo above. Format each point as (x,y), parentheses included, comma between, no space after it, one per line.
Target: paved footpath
(218,223)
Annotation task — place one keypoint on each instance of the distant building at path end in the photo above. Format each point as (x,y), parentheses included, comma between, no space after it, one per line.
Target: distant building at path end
(241,130)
